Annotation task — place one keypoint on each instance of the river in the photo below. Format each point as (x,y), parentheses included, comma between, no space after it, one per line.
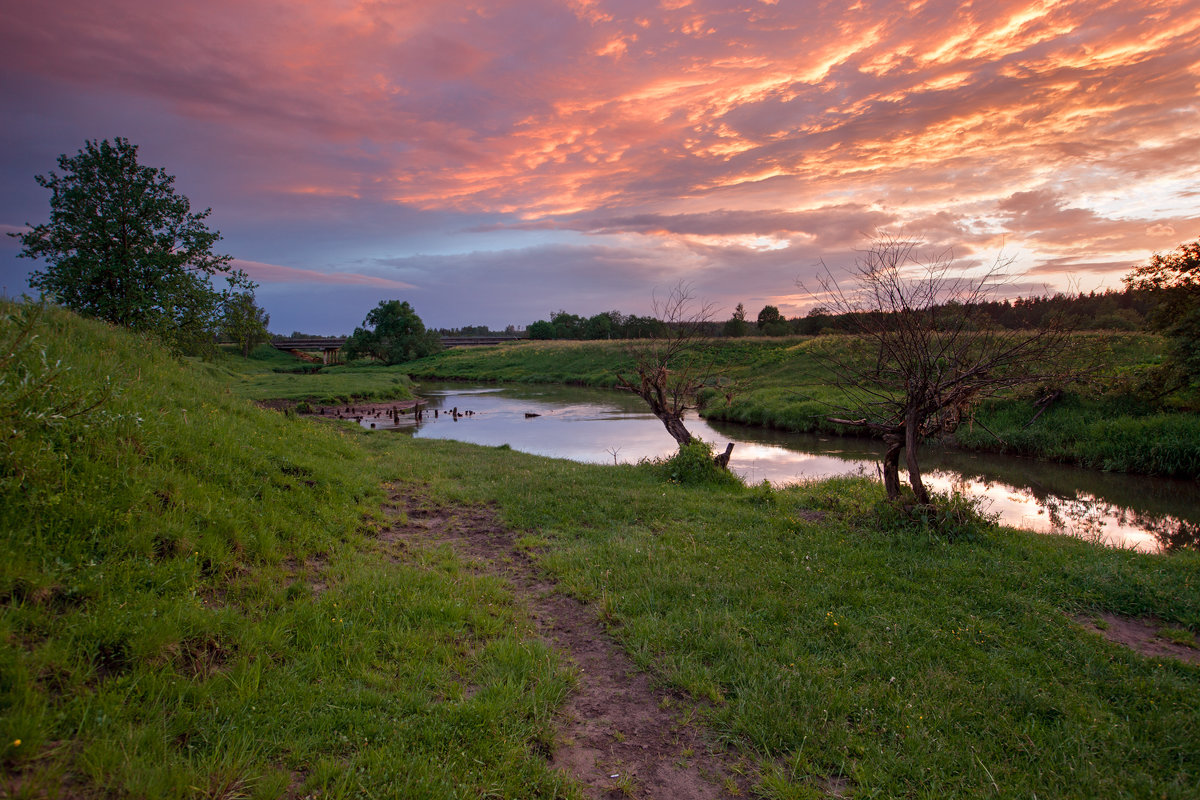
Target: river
(601,426)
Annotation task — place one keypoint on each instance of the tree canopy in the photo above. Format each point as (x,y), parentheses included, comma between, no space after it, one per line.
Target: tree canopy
(1173,281)
(121,245)
(244,322)
(771,322)
(736,325)
(392,333)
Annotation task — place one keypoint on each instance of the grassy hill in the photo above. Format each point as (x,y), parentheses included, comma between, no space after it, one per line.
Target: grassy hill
(191,603)
(269,374)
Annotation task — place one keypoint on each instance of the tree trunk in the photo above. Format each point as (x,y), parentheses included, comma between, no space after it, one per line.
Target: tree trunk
(722,460)
(912,440)
(891,465)
(676,428)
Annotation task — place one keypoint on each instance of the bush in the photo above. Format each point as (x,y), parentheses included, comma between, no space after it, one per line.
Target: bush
(949,517)
(693,464)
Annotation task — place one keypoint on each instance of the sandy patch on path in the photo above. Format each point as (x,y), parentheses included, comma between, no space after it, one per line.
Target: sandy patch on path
(618,736)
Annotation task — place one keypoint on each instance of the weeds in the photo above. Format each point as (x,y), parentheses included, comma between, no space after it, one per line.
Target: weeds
(950,517)
(32,391)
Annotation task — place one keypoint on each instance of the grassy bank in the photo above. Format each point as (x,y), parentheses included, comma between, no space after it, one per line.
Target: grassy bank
(272,375)
(1103,423)
(193,602)
(192,605)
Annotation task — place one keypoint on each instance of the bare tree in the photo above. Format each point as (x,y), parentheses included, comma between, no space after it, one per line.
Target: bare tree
(925,355)
(671,368)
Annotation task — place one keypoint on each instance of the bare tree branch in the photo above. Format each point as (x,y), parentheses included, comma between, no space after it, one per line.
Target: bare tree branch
(925,355)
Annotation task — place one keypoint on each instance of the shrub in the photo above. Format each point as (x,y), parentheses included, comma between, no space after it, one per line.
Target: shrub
(950,517)
(693,464)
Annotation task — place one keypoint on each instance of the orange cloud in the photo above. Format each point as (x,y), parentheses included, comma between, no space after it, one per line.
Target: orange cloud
(936,113)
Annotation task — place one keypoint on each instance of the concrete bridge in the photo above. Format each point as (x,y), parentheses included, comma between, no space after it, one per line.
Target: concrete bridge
(330,346)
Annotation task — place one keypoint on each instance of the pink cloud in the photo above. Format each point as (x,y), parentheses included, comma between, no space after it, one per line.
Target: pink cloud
(662,124)
(274,273)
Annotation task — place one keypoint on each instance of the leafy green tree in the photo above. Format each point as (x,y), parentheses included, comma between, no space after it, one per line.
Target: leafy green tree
(1173,282)
(392,333)
(648,327)
(244,322)
(771,322)
(122,246)
(541,330)
(567,326)
(737,326)
(605,325)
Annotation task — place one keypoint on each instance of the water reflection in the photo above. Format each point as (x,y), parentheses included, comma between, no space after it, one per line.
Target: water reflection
(600,426)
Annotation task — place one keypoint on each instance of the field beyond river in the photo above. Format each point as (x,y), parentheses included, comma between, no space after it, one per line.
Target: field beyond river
(202,597)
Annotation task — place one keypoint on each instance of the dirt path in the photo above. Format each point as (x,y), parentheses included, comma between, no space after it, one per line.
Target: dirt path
(618,736)
(1144,635)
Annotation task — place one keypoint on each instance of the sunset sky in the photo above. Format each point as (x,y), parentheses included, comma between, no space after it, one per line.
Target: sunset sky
(492,162)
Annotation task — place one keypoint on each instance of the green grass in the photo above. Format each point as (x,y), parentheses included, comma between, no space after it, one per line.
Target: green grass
(585,363)
(1104,423)
(271,375)
(827,643)
(193,603)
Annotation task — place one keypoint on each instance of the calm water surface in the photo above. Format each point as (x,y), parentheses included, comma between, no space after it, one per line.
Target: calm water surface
(600,426)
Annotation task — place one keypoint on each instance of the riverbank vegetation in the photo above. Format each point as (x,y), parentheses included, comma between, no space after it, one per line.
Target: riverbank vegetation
(1116,420)
(197,599)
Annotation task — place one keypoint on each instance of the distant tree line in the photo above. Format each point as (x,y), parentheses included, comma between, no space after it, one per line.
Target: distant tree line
(1127,310)
(478,330)
(605,325)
